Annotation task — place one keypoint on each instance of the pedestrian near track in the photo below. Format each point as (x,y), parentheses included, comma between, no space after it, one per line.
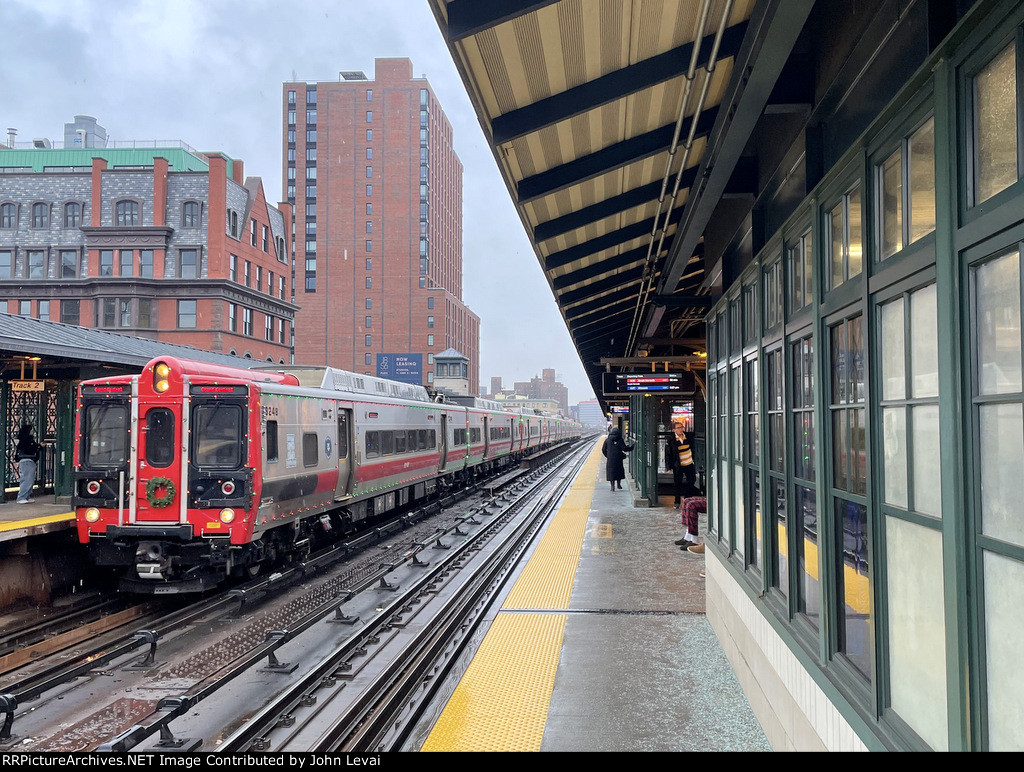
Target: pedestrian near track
(615,449)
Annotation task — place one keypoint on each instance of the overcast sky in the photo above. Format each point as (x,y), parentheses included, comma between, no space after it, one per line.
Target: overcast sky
(209,72)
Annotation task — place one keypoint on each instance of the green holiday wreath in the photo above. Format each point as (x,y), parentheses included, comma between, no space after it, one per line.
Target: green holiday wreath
(160,501)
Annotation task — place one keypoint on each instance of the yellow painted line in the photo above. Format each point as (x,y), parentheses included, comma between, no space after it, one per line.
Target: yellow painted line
(501,703)
(18,524)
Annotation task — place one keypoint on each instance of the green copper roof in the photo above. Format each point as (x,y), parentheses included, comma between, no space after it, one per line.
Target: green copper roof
(39,159)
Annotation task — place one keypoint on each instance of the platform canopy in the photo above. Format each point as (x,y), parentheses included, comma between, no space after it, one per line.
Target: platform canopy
(620,128)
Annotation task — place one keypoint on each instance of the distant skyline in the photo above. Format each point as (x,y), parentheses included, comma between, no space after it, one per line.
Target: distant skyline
(211,75)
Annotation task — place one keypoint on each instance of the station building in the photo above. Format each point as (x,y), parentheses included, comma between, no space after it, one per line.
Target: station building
(370,167)
(154,240)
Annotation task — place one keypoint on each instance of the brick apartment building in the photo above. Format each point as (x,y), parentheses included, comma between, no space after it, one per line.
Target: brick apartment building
(377,191)
(164,243)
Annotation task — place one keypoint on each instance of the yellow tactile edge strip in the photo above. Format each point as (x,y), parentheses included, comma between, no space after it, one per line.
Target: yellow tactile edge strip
(11,526)
(501,703)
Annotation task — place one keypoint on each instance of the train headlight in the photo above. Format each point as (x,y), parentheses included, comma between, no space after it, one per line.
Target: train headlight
(92,487)
(228,487)
(227,515)
(92,514)
(161,374)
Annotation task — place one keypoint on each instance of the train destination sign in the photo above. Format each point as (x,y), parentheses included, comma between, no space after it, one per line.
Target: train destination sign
(407,368)
(676,382)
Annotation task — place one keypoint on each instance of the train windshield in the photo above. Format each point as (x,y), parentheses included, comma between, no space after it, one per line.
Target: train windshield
(217,428)
(105,434)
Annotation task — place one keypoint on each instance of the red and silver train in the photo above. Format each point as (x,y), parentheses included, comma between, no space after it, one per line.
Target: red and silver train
(191,472)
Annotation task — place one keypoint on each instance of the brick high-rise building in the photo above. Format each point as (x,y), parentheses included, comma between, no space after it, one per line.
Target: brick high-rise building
(163,243)
(377,191)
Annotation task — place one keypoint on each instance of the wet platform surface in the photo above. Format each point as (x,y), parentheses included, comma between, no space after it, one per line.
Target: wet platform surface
(636,665)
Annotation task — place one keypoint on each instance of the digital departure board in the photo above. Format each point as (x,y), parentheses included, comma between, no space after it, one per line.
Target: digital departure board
(676,382)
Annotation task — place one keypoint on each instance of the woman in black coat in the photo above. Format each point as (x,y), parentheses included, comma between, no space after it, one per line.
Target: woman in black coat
(615,449)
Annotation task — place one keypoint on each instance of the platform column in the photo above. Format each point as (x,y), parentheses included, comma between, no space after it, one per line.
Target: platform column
(63,479)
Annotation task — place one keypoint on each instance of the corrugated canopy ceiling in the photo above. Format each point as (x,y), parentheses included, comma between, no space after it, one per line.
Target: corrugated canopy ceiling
(618,125)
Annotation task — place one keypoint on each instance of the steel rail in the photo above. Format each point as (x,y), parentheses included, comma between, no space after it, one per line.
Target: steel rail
(460,616)
(170,708)
(252,735)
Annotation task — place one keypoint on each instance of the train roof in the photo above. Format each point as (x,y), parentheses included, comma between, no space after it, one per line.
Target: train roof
(333,379)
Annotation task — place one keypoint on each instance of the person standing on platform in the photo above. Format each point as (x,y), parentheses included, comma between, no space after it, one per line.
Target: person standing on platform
(680,463)
(615,449)
(26,453)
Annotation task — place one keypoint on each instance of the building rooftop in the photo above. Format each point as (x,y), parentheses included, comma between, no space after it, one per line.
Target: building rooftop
(26,157)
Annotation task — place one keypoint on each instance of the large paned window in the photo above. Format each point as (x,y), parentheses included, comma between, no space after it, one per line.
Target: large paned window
(722,479)
(778,513)
(751,450)
(805,511)
(908,386)
(800,261)
(995,125)
(736,451)
(187,313)
(35,264)
(905,182)
(849,493)
(773,308)
(998,428)
(68,264)
(70,311)
(845,238)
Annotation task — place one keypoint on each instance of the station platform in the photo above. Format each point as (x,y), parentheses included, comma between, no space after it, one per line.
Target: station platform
(602,643)
(34,519)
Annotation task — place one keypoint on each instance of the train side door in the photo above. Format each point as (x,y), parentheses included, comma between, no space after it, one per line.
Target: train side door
(343,489)
(487,437)
(443,442)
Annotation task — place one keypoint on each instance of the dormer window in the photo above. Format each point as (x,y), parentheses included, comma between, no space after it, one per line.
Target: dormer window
(40,215)
(72,215)
(126,213)
(190,214)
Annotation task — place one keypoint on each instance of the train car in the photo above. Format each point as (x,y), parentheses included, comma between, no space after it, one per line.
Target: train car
(189,472)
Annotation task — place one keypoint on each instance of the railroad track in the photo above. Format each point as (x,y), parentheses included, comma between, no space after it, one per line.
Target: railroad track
(216,665)
(406,651)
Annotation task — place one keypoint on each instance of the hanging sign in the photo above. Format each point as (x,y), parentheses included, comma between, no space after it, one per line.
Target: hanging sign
(28,385)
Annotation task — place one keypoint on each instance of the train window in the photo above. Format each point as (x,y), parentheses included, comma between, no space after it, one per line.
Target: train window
(159,437)
(460,437)
(310,449)
(399,442)
(343,436)
(474,435)
(387,443)
(421,436)
(432,438)
(372,444)
(106,435)
(272,442)
(217,429)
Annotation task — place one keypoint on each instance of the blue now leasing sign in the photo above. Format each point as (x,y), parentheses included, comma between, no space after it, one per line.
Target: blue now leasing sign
(407,368)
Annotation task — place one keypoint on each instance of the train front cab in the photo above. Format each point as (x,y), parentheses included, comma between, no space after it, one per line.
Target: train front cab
(180,438)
